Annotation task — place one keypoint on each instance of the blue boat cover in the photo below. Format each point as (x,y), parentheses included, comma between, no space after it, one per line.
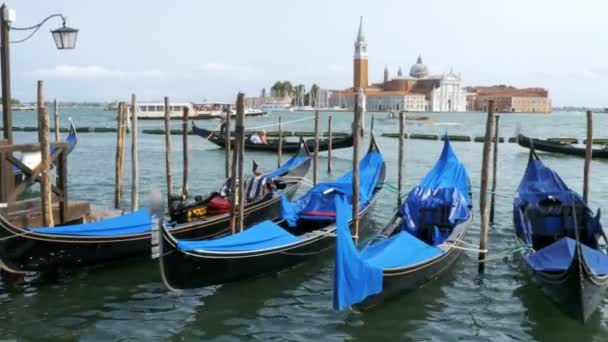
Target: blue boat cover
(263,235)
(445,185)
(558,256)
(354,278)
(291,164)
(400,250)
(542,189)
(319,203)
(134,223)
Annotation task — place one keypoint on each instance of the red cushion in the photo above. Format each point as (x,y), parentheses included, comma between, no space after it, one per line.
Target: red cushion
(212,212)
(218,202)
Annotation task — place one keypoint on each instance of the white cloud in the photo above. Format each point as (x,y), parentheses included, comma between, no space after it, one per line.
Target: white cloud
(223,68)
(93,72)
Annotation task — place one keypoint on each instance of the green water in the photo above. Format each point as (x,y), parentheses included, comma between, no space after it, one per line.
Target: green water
(128,302)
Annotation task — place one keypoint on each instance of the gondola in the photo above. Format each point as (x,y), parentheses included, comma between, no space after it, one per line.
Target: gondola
(556,147)
(562,235)
(128,236)
(33,159)
(273,144)
(421,241)
(308,229)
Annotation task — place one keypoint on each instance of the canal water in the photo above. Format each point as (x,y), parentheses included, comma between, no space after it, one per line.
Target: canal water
(128,302)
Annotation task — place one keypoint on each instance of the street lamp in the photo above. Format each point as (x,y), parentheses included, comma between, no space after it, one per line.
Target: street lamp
(65,38)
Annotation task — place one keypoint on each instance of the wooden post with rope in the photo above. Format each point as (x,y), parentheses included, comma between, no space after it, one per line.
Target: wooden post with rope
(45,179)
(56,116)
(240,133)
(329,141)
(227,139)
(120,157)
(588,156)
(168,152)
(494,166)
(134,156)
(356,130)
(185,152)
(400,157)
(280,148)
(483,191)
(315,169)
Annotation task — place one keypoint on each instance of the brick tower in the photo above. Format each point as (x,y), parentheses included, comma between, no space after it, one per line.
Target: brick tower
(360,60)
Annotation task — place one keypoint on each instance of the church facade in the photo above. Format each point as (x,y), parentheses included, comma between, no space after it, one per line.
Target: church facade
(419,91)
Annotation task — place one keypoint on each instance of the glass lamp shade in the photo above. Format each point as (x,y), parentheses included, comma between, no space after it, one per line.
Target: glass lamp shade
(65,37)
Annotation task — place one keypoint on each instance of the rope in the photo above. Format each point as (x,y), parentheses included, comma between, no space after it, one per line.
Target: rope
(472,249)
(15,235)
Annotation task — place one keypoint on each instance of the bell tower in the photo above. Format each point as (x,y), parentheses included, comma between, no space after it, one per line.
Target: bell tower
(360,60)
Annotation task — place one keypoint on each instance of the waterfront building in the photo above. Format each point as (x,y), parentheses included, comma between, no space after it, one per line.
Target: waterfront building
(509,99)
(420,91)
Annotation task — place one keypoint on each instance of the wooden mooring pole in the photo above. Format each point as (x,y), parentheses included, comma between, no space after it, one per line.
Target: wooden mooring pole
(280,148)
(483,191)
(494,166)
(588,156)
(120,156)
(185,152)
(168,152)
(56,115)
(329,141)
(315,170)
(400,158)
(356,130)
(134,156)
(45,180)
(227,139)
(240,133)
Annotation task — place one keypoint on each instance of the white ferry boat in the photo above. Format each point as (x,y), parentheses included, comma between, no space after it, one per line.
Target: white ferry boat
(156,110)
(275,107)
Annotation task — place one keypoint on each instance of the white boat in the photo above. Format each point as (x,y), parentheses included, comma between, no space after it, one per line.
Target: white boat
(210,110)
(275,107)
(156,110)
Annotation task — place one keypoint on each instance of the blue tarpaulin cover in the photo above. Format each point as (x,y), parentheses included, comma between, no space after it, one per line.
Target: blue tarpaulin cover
(318,202)
(446,184)
(399,250)
(354,278)
(134,223)
(289,165)
(558,256)
(542,190)
(263,235)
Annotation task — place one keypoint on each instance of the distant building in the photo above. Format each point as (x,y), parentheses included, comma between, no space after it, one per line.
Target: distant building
(418,92)
(509,99)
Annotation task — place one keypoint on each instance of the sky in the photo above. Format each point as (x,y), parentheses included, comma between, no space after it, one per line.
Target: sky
(210,50)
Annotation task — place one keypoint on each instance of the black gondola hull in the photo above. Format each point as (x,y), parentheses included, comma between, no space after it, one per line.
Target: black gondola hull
(398,281)
(547,146)
(272,146)
(33,252)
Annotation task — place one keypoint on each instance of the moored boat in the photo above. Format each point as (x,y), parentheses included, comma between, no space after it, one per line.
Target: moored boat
(128,236)
(558,147)
(421,241)
(273,144)
(562,235)
(308,229)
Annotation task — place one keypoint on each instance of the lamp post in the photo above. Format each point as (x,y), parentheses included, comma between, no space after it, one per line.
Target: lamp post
(64,37)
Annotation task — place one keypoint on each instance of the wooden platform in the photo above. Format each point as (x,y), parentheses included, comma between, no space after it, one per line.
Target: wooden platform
(27,213)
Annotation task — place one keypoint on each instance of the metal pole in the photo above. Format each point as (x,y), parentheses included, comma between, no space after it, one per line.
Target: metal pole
(134,156)
(588,156)
(7,117)
(483,191)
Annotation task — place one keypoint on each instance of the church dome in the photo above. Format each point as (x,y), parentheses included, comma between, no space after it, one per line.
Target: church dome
(419,70)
